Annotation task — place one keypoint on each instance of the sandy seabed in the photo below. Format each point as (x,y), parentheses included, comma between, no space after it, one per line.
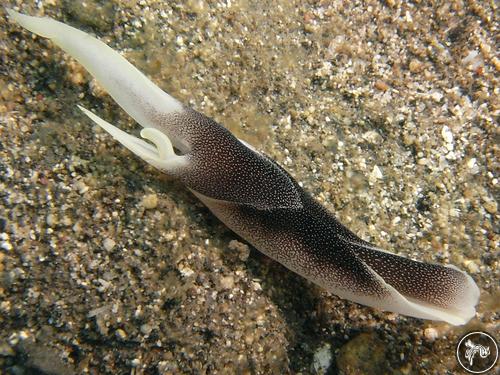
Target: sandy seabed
(385,111)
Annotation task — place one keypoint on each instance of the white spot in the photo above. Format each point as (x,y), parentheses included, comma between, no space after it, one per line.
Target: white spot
(436,96)
(431,334)
(447,134)
(108,244)
(322,359)
(6,246)
(470,57)
(471,266)
(471,163)
(376,173)
(186,271)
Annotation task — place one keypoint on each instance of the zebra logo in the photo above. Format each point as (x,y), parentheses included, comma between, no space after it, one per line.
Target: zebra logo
(477,352)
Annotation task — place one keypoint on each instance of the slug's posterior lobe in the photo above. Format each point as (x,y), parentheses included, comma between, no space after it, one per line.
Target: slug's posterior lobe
(257,198)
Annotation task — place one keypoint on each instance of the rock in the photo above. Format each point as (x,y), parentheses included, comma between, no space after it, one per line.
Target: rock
(81,187)
(364,354)
(471,266)
(6,350)
(490,205)
(431,334)
(381,85)
(146,329)
(43,359)
(376,173)
(121,334)
(227,282)
(415,66)
(108,244)
(150,201)
(241,248)
(322,359)
(447,134)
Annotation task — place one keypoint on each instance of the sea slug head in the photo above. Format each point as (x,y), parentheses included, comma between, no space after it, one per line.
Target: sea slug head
(159,153)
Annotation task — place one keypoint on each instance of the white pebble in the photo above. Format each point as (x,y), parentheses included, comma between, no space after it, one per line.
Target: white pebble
(431,334)
(472,267)
(471,56)
(146,329)
(447,134)
(108,244)
(372,136)
(186,271)
(135,362)
(376,173)
(227,282)
(437,96)
(6,246)
(256,286)
(322,359)
(179,41)
(471,163)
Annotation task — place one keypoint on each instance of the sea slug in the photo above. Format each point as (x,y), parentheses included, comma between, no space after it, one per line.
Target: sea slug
(257,198)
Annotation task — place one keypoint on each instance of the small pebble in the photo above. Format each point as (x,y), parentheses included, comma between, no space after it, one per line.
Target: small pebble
(242,248)
(121,334)
(108,244)
(6,246)
(186,271)
(249,338)
(150,201)
(227,282)
(436,96)
(471,163)
(135,362)
(491,206)
(376,173)
(415,66)
(81,187)
(322,359)
(256,286)
(431,334)
(447,134)
(381,85)
(146,329)
(51,220)
(472,267)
